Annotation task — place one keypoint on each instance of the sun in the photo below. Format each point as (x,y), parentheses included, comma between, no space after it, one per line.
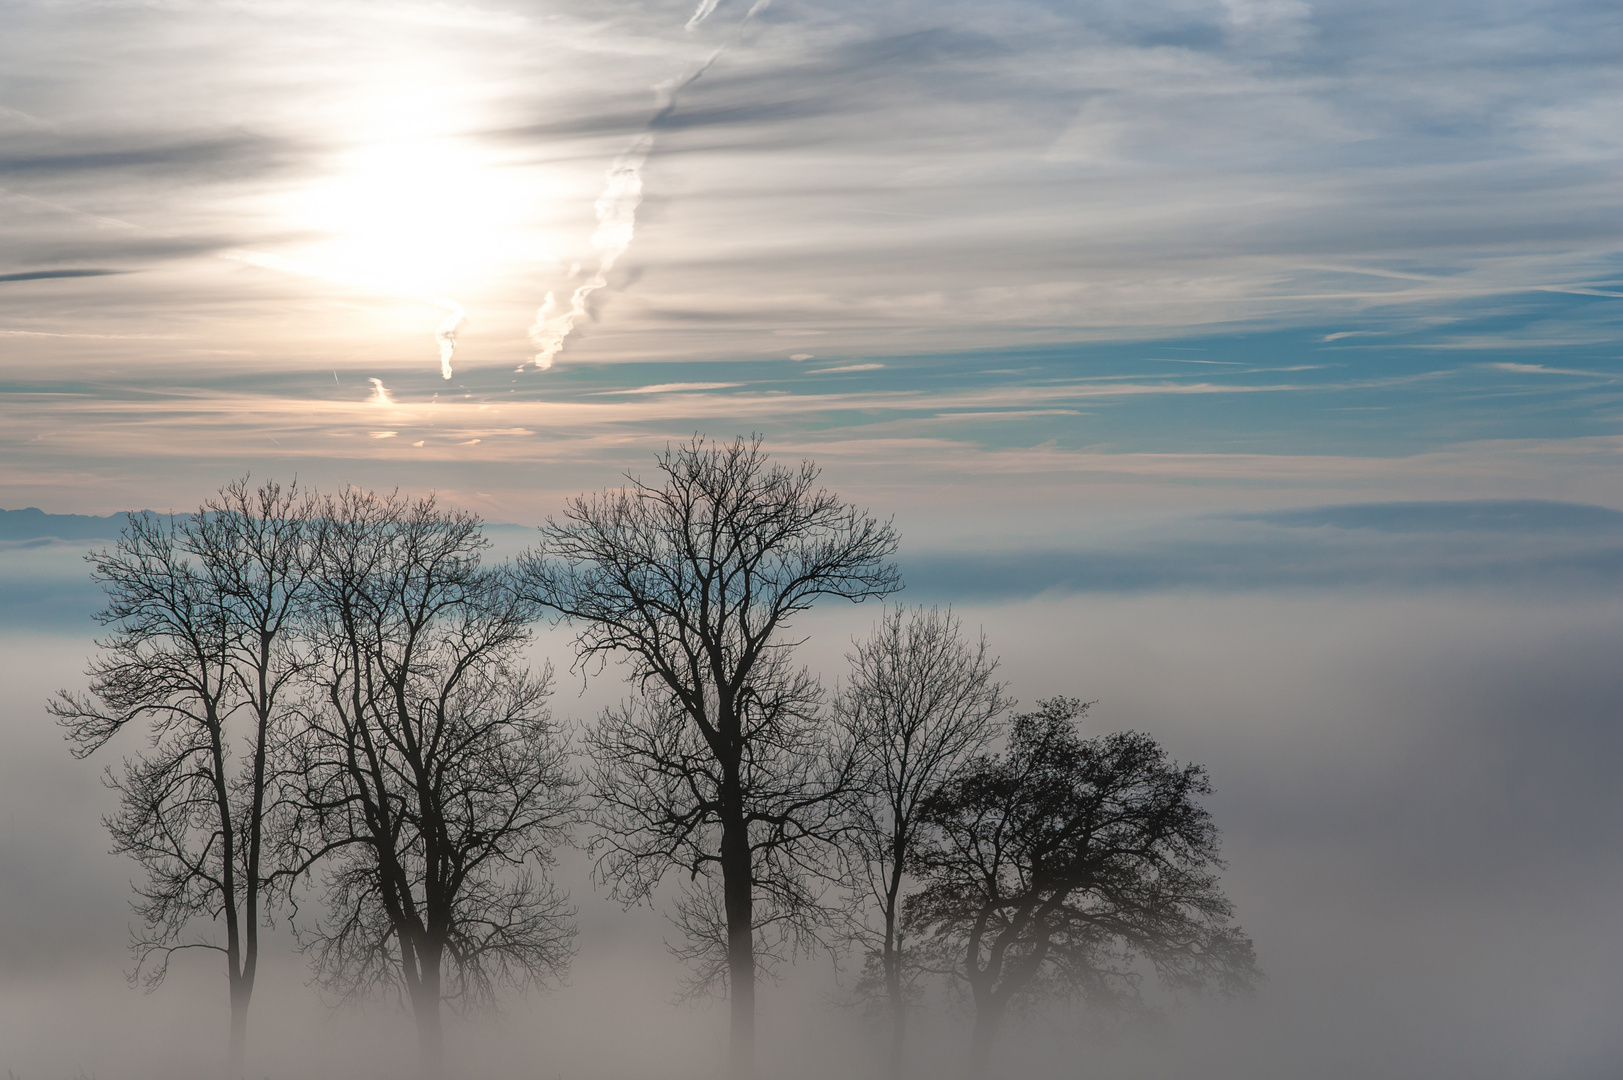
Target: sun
(415,195)
(425,213)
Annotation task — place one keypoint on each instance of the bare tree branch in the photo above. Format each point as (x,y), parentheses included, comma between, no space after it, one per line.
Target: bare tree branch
(919,703)
(435,779)
(694,583)
(205,612)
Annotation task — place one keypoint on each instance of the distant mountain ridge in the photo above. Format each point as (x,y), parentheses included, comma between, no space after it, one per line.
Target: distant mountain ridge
(33,523)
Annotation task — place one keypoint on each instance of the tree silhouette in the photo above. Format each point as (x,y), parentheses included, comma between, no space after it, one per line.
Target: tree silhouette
(694,582)
(660,799)
(920,702)
(1058,864)
(204,648)
(434,774)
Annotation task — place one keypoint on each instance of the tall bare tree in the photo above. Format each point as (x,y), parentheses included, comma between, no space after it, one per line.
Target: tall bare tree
(204,649)
(1058,865)
(435,775)
(694,582)
(659,803)
(920,702)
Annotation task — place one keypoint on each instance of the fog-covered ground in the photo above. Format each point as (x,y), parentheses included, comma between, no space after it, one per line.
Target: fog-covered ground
(1416,785)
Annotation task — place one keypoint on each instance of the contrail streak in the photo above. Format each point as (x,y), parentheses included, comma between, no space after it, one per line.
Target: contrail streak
(617,207)
(703,13)
(446,334)
(616,222)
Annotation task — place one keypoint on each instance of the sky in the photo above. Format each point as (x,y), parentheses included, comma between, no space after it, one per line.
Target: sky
(1253,366)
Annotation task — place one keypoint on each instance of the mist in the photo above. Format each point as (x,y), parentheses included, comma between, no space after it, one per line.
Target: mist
(1248,369)
(1415,790)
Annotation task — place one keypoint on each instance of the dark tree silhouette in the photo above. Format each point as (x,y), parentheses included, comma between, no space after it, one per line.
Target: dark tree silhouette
(919,704)
(204,610)
(435,776)
(659,803)
(694,582)
(1060,864)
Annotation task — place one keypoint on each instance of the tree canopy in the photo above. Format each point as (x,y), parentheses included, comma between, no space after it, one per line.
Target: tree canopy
(1063,863)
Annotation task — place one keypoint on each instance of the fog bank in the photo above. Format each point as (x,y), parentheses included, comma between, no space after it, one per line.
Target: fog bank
(1423,833)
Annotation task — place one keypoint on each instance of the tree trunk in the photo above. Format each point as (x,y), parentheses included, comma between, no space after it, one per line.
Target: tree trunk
(241,990)
(898,1032)
(425,1005)
(893,959)
(893,992)
(737,886)
(988,1015)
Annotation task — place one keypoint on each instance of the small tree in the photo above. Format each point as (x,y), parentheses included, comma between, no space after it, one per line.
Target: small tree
(919,704)
(205,613)
(434,773)
(694,582)
(1061,863)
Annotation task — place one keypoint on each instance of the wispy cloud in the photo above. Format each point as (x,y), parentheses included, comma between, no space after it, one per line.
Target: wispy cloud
(1541,369)
(44,275)
(670,388)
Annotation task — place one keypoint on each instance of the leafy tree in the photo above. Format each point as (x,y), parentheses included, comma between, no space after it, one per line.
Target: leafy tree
(919,704)
(694,582)
(1060,864)
(203,653)
(435,776)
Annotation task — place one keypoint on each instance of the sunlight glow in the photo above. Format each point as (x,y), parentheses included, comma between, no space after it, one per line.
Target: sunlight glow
(412,203)
(425,212)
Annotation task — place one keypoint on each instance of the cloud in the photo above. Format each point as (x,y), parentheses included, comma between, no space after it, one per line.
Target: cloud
(42,275)
(1464,515)
(668,388)
(616,210)
(1541,369)
(1528,545)
(444,334)
(228,155)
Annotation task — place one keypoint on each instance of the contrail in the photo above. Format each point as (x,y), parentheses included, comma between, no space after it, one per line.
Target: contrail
(616,221)
(617,206)
(446,334)
(703,13)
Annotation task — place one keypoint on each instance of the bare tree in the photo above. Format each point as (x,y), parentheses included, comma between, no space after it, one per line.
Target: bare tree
(919,704)
(659,801)
(205,613)
(1060,864)
(694,582)
(435,775)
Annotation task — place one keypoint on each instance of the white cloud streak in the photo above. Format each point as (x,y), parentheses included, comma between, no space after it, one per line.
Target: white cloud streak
(616,224)
(617,207)
(700,14)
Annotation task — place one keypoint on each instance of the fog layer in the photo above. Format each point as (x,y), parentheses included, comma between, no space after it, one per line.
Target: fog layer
(1416,795)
